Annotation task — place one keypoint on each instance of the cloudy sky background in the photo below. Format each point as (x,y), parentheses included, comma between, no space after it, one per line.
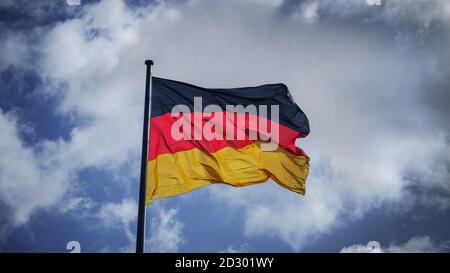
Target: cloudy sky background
(373,80)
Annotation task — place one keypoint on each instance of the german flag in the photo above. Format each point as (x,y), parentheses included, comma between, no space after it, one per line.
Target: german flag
(200,136)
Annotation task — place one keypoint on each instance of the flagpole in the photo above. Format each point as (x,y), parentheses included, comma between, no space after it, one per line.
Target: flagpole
(140,236)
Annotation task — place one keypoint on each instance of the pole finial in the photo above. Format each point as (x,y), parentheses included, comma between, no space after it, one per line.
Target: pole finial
(148,62)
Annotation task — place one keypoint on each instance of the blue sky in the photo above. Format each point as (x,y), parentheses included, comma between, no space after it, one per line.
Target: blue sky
(373,81)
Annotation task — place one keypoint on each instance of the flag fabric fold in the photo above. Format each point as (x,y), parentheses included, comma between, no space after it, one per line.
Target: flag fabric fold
(219,145)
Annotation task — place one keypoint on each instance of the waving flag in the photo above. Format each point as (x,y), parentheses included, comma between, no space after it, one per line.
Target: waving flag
(239,136)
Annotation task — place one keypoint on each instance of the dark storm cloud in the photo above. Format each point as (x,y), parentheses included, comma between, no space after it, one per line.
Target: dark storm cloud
(23,15)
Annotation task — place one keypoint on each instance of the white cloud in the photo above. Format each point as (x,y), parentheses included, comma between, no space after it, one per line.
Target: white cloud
(165,233)
(308,12)
(421,12)
(120,215)
(270,3)
(243,248)
(14,50)
(361,90)
(418,244)
(110,114)
(27,182)
(420,15)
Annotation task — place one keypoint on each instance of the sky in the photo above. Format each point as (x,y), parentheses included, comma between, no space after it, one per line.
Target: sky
(373,80)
